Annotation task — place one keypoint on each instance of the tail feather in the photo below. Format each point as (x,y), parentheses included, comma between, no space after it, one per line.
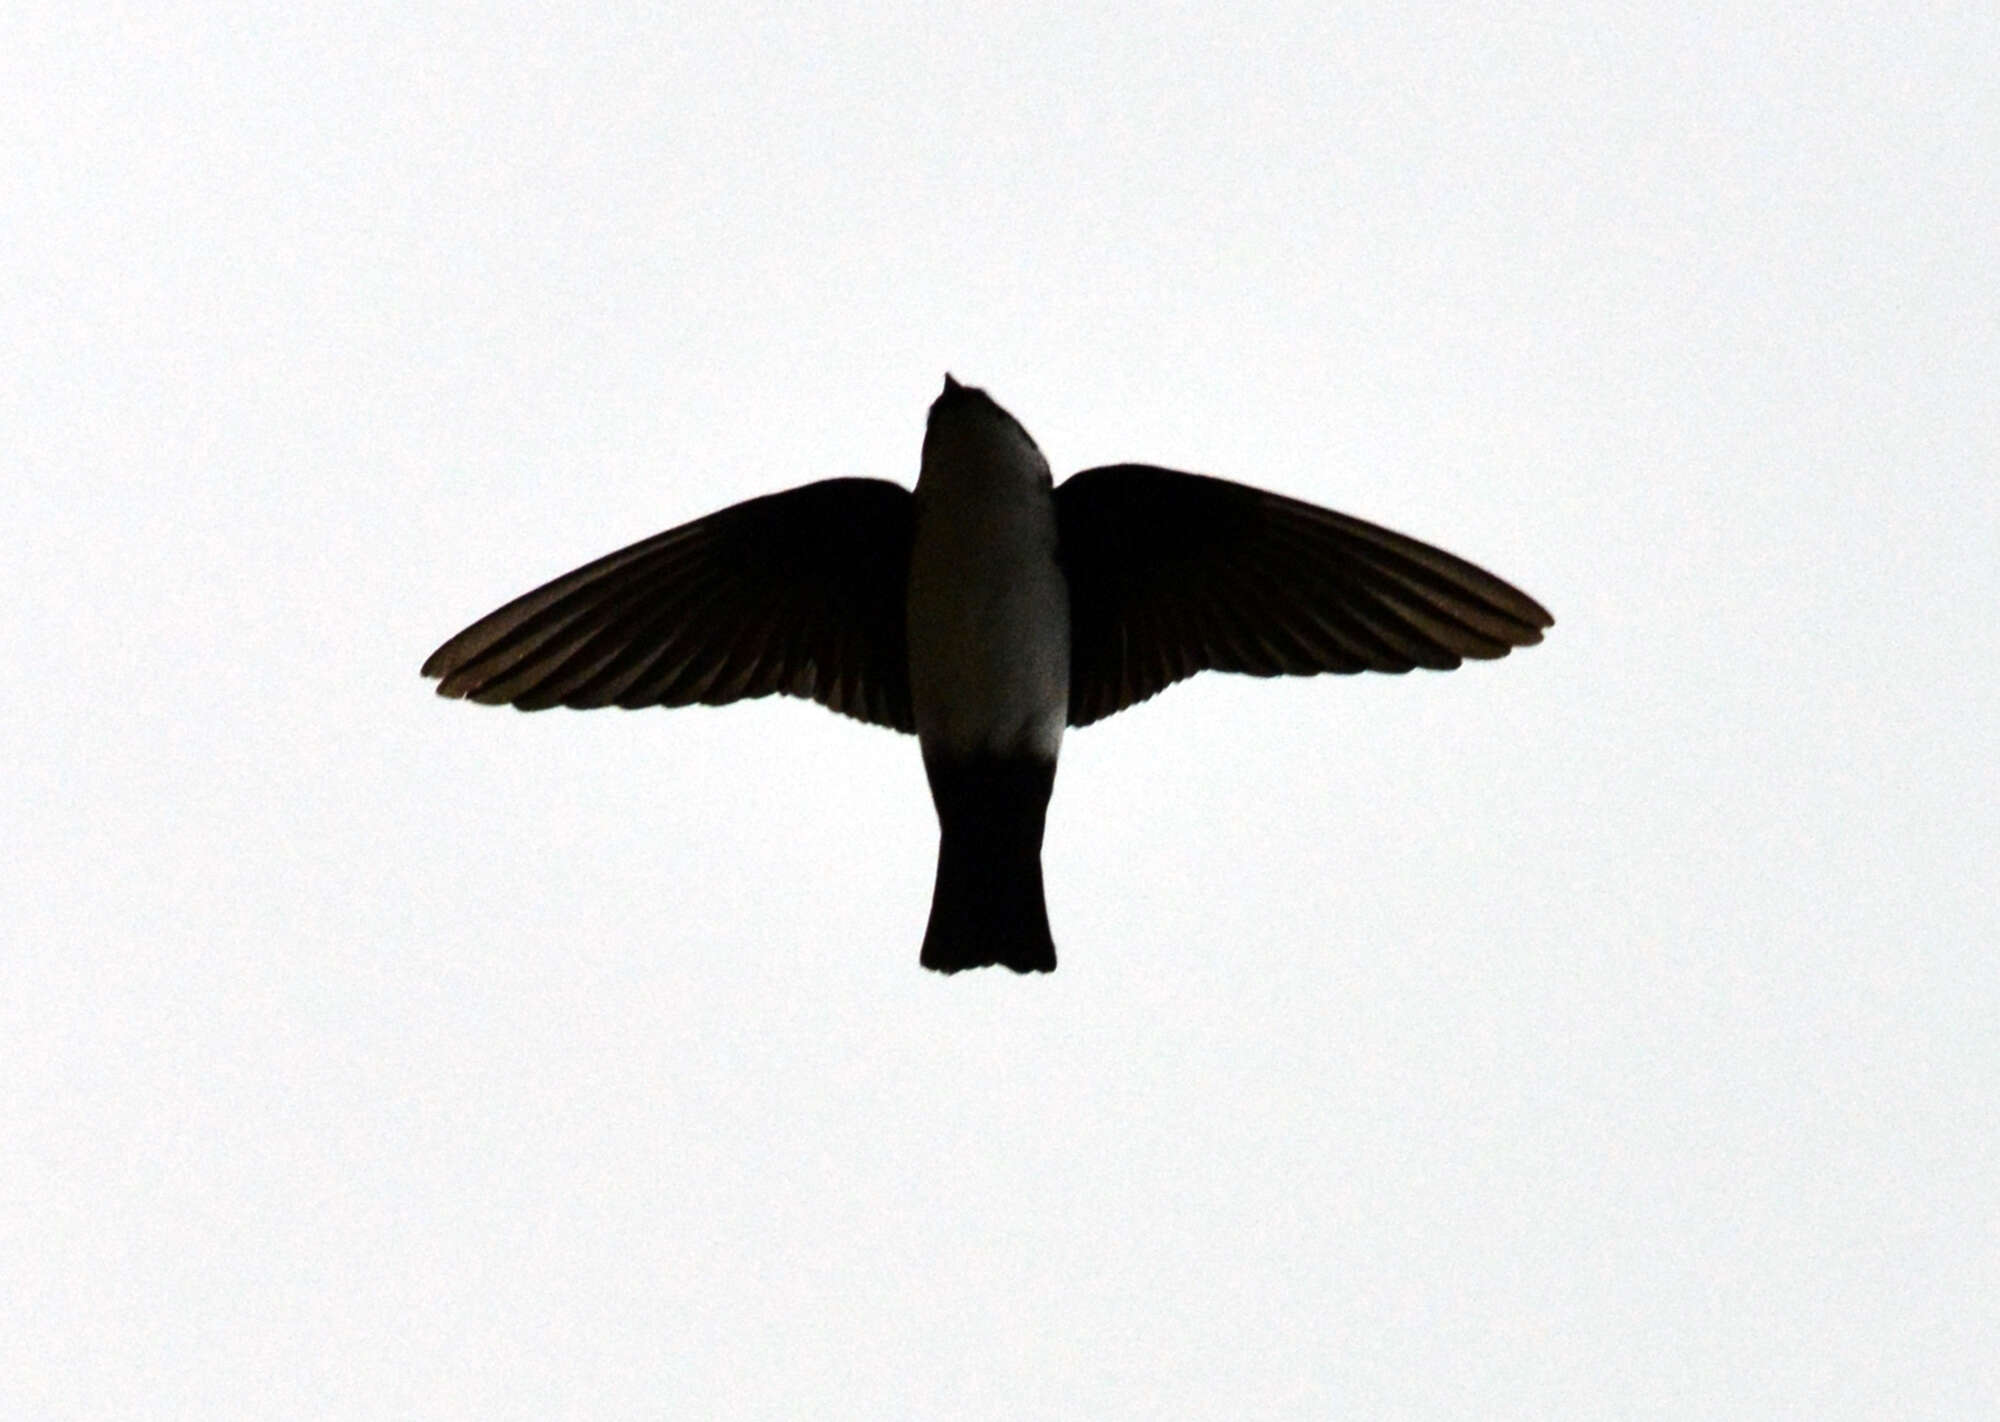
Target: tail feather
(988,906)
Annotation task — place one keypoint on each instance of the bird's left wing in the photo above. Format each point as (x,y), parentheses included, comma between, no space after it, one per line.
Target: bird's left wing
(799,593)
(1171,574)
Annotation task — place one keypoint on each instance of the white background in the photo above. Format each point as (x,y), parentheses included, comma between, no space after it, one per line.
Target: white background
(1607,1031)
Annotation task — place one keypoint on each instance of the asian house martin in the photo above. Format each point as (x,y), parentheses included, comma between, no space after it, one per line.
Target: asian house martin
(986,612)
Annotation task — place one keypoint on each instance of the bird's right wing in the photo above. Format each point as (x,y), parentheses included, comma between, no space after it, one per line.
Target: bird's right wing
(800,593)
(1171,574)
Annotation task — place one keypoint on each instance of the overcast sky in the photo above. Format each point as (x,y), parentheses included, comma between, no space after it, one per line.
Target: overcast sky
(1606,1031)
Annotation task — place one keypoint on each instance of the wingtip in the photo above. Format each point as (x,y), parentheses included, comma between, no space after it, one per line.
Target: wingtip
(443,668)
(1542,620)
(441,665)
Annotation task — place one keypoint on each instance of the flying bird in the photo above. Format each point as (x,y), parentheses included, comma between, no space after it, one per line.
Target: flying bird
(986,612)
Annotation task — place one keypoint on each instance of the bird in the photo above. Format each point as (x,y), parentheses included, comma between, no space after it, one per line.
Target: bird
(986,612)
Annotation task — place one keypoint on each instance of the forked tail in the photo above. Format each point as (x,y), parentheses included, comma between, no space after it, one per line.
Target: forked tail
(988,907)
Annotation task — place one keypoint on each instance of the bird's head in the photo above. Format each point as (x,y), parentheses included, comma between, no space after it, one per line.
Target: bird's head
(967,429)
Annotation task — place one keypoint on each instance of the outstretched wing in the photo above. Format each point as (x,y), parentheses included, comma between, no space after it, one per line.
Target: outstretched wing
(1171,574)
(799,593)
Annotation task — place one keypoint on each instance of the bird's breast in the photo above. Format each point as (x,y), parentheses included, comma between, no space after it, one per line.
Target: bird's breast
(988,620)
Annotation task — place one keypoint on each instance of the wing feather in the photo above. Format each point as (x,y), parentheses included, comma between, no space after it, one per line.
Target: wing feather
(799,593)
(1172,573)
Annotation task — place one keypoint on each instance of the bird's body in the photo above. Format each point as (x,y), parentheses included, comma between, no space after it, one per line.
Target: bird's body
(988,605)
(989,679)
(984,614)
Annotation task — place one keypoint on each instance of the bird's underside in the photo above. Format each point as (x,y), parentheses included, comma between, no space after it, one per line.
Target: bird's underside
(809,593)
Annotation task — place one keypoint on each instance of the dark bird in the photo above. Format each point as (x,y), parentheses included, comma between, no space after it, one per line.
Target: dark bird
(984,613)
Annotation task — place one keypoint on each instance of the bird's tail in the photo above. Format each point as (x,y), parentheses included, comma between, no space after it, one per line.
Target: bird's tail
(988,907)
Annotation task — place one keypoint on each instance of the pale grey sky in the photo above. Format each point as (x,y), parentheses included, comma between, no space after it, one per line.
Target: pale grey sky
(1608,1031)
